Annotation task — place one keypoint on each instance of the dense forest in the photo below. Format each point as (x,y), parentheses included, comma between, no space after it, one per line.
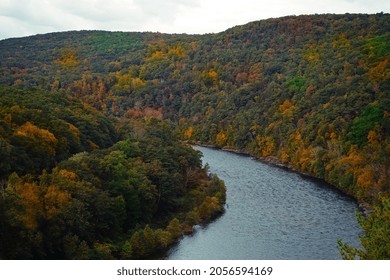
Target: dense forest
(309,92)
(77,185)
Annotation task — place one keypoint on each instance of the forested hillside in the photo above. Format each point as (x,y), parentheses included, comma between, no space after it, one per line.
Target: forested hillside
(311,92)
(77,185)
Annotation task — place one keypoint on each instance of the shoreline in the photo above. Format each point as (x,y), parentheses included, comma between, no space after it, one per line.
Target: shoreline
(363,206)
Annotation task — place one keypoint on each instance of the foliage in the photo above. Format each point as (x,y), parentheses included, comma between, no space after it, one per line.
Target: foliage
(377,235)
(309,91)
(94,204)
(38,129)
(370,117)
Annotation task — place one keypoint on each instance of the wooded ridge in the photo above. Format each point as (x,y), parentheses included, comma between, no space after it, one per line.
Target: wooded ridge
(312,91)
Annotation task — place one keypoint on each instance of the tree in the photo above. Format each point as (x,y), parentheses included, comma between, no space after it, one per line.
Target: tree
(376,240)
(175,228)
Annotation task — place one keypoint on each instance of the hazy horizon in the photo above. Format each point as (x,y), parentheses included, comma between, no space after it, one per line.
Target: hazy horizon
(30,17)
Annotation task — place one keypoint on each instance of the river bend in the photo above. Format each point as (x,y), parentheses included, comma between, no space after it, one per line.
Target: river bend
(270,213)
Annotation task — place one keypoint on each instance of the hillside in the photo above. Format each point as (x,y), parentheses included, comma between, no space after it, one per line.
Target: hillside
(312,92)
(76,184)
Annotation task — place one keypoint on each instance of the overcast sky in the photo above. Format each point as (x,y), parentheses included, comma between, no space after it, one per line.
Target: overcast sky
(27,17)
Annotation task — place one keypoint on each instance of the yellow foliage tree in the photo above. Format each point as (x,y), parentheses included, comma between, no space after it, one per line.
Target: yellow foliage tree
(380,72)
(366,178)
(42,135)
(177,52)
(30,198)
(287,109)
(30,130)
(221,139)
(266,145)
(305,158)
(68,58)
(128,82)
(188,133)
(157,55)
(312,54)
(213,75)
(373,138)
(69,175)
(353,160)
(284,156)
(54,200)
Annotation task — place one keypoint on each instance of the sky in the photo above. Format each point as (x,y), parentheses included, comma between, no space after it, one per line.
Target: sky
(29,17)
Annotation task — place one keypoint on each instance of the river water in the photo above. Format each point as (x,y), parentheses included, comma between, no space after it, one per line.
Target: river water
(270,213)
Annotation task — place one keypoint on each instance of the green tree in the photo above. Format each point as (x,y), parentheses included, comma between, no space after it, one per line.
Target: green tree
(376,238)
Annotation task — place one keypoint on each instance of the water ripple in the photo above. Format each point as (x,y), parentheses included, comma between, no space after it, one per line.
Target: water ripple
(272,214)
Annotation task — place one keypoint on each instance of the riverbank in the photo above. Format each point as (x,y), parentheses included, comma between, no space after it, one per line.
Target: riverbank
(364,206)
(271,214)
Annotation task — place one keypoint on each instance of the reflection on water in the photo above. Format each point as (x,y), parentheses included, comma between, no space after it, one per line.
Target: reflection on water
(271,213)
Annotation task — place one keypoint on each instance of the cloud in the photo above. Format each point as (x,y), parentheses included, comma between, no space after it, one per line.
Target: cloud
(26,17)
(33,16)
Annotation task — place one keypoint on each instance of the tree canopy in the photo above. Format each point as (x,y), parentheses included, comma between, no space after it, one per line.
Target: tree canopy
(311,91)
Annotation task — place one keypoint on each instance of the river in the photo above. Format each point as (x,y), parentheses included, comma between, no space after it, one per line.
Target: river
(270,213)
